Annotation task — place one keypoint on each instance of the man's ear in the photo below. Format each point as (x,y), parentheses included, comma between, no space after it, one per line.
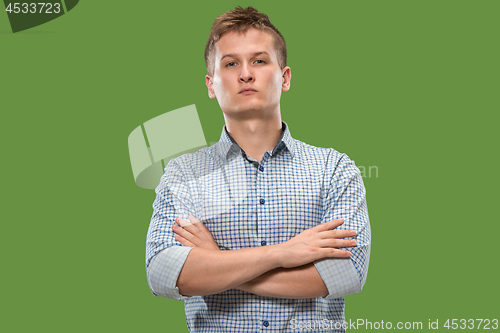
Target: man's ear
(210,86)
(286,77)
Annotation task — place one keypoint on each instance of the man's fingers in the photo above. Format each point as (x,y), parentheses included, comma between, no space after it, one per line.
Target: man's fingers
(194,220)
(183,223)
(336,253)
(195,232)
(190,221)
(337,243)
(338,234)
(184,241)
(183,232)
(201,227)
(330,225)
(187,225)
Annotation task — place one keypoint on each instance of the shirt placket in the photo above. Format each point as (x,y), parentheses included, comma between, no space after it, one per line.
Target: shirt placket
(263,220)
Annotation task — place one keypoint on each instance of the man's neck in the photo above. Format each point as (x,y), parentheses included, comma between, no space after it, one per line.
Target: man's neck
(255,136)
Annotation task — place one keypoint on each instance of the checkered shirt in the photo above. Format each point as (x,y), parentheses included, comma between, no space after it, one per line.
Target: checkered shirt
(246,203)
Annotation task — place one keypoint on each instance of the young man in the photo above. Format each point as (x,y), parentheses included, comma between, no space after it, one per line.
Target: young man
(259,232)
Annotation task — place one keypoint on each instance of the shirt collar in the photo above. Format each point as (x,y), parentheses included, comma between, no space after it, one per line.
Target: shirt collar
(226,145)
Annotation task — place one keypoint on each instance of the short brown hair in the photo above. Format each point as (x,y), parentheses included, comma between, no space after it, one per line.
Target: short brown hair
(240,20)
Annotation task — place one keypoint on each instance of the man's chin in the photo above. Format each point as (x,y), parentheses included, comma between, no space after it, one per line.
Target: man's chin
(242,108)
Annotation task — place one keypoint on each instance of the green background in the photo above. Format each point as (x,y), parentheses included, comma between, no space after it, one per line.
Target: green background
(408,86)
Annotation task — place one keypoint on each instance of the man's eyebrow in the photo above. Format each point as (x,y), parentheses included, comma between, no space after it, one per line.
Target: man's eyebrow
(234,55)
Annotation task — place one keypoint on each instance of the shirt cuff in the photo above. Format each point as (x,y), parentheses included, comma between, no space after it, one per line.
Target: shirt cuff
(164,269)
(339,275)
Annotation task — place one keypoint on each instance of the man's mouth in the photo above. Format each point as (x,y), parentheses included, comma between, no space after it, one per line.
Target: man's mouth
(247,91)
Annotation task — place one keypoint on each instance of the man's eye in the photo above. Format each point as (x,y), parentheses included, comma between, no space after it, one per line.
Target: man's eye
(231,64)
(260,61)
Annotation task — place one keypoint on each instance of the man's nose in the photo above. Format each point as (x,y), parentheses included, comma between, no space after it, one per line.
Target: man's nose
(246,74)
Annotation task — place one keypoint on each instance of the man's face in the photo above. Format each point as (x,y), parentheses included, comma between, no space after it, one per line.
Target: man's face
(247,76)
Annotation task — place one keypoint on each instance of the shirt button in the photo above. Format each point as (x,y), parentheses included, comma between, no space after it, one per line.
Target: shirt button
(263,243)
(262,201)
(261,168)
(266,323)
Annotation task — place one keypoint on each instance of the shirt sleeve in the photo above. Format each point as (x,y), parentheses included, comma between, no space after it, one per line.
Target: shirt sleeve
(346,199)
(165,257)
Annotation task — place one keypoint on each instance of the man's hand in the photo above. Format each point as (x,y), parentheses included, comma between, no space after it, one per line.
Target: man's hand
(193,234)
(316,243)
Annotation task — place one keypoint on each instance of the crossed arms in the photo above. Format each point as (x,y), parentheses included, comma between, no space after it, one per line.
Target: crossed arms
(314,263)
(280,270)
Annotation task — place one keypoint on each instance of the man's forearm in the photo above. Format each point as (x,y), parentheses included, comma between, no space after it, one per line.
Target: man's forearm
(208,272)
(297,282)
